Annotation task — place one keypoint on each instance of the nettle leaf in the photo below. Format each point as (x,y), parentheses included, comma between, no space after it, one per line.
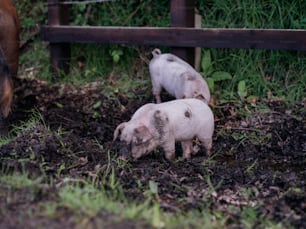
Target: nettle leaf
(116,54)
(242,90)
(211,84)
(220,76)
(97,105)
(153,187)
(28,22)
(157,220)
(206,61)
(116,58)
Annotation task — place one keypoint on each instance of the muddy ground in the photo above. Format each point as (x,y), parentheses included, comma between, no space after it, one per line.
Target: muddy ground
(259,157)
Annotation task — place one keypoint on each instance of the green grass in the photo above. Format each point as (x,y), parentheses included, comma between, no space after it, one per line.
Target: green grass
(267,74)
(279,14)
(17,181)
(36,63)
(35,119)
(123,13)
(86,200)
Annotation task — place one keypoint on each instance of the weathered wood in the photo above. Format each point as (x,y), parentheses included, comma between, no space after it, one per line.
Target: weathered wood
(182,15)
(179,37)
(59,52)
(197,50)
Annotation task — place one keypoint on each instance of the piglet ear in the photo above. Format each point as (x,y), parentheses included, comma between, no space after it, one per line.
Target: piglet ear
(156,52)
(201,97)
(119,128)
(188,76)
(142,134)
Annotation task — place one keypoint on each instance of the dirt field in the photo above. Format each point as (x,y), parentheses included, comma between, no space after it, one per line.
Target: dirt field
(259,157)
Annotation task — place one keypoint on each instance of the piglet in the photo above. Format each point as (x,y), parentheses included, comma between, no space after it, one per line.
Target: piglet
(177,77)
(161,125)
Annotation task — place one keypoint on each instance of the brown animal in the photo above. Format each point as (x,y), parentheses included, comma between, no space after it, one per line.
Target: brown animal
(9,53)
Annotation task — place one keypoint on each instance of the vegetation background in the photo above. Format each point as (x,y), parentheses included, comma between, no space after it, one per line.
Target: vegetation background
(70,187)
(253,73)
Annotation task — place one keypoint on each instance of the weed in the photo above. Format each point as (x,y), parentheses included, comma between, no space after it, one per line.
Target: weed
(35,118)
(249,216)
(36,64)
(258,72)
(251,167)
(238,73)
(210,74)
(195,219)
(82,200)
(17,181)
(5,140)
(89,200)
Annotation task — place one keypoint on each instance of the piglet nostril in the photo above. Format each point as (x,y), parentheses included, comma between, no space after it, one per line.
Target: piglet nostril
(124,150)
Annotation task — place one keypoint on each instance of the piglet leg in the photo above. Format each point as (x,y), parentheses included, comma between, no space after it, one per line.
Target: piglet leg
(187,149)
(169,148)
(207,142)
(156,89)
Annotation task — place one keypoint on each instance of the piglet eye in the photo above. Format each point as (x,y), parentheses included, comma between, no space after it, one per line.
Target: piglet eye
(201,97)
(139,141)
(136,140)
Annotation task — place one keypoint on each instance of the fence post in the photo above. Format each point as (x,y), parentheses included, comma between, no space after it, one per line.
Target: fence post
(182,15)
(59,52)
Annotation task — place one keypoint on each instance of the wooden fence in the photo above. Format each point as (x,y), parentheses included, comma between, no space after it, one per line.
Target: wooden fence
(182,35)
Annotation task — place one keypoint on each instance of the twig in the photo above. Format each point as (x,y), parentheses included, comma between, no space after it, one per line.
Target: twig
(239,128)
(131,15)
(24,45)
(88,12)
(68,180)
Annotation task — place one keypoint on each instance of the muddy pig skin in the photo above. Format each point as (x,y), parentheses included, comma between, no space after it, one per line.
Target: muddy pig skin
(177,77)
(163,124)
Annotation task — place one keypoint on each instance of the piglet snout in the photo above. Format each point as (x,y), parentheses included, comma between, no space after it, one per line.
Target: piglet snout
(124,150)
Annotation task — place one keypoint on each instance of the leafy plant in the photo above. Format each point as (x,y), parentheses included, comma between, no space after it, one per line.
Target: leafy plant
(242,91)
(249,216)
(79,10)
(115,54)
(211,75)
(17,181)
(157,220)
(153,190)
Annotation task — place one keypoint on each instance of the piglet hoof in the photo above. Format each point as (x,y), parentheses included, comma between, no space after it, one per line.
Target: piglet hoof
(122,158)
(195,149)
(170,156)
(208,152)
(187,158)
(187,155)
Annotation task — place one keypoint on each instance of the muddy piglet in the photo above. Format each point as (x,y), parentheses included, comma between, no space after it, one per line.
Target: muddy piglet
(177,77)
(163,124)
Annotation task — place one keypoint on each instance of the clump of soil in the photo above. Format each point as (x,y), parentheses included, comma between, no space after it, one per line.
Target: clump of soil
(259,152)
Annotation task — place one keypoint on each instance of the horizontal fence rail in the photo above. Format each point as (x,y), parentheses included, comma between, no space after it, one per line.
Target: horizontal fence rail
(280,39)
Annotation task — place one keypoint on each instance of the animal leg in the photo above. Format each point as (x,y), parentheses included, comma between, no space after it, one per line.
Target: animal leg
(187,149)
(169,149)
(207,143)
